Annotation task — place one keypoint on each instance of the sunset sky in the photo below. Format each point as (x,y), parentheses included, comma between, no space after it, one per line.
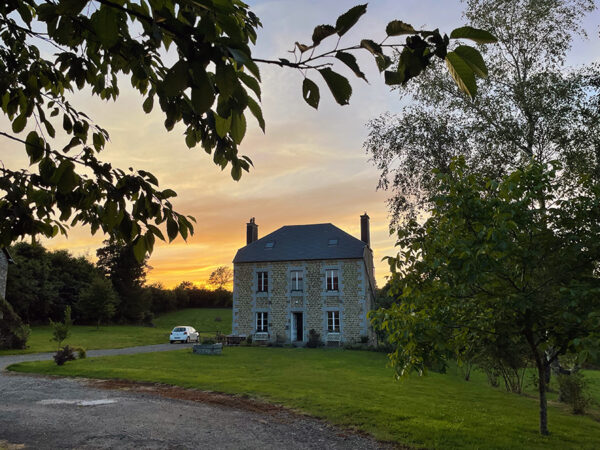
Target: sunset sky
(310,166)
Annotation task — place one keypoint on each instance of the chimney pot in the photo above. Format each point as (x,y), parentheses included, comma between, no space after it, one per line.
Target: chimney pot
(251,231)
(365,233)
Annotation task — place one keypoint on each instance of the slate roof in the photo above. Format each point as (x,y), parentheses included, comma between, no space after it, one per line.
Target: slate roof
(302,242)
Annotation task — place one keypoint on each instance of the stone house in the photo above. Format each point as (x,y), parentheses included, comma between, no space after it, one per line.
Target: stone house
(5,260)
(304,277)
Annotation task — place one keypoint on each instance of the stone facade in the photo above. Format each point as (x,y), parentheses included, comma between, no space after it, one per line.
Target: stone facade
(3,272)
(308,307)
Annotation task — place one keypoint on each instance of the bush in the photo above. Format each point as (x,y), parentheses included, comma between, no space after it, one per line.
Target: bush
(314,339)
(572,390)
(81,353)
(147,319)
(208,341)
(13,333)
(249,339)
(63,355)
(364,339)
(62,330)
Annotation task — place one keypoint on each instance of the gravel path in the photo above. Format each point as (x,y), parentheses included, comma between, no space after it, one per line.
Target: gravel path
(50,413)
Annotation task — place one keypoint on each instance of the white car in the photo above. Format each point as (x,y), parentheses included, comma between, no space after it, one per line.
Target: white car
(184,334)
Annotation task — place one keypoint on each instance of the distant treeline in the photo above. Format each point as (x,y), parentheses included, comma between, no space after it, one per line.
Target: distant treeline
(43,282)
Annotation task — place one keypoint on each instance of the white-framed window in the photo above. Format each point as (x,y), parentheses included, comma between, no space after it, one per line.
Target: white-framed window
(331,279)
(262,322)
(296,280)
(263,281)
(333,321)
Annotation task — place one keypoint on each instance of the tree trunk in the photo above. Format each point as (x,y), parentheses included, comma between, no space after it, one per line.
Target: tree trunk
(543,401)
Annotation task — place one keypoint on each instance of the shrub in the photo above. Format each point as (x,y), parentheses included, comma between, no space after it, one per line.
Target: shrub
(147,319)
(208,341)
(81,353)
(314,339)
(13,333)
(364,339)
(572,391)
(249,339)
(63,355)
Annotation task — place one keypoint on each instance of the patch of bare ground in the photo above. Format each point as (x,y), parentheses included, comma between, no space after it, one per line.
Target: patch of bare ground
(276,412)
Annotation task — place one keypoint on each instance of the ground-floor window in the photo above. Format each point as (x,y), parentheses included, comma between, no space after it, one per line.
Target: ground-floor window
(333,321)
(262,322)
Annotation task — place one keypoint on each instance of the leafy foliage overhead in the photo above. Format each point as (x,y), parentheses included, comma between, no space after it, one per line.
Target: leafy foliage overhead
(51,49)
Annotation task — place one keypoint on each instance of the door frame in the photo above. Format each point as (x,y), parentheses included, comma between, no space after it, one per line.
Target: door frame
(293,327)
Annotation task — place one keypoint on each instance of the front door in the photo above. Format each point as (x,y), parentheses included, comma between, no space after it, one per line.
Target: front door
(297,327)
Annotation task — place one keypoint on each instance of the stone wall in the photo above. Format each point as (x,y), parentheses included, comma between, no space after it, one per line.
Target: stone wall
(352,300)
(3,273)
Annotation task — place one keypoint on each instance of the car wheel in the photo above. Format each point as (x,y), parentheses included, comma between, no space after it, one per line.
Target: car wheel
(187,341)
(171,342)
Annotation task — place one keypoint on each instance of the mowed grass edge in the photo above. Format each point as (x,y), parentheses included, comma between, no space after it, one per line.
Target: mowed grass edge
(356,389)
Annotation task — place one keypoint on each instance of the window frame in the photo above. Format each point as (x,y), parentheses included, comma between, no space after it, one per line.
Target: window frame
(297,283)
(262,317)
(262,281)
(333,321)
(332,284)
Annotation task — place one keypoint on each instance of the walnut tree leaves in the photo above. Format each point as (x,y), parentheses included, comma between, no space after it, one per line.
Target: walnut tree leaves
(419,49)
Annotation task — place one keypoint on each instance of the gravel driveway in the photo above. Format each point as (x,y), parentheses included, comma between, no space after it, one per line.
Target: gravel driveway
(69,413)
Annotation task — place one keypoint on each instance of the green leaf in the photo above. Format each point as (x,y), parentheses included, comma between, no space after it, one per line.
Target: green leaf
(321,32)
(238,127)
(349,18)
(139,249)
(226,79)
(172,229)
(350,61)
(397,28)
(222,125)
(372,46)
(19,123)
(310,93)
(34,147)
(148,104)
(338,85)
(68,178)
(473,58)
(474,34)
(251,82)
(99,141)
(105,23)
(168,193)
(67,124)
(190,139)
(203,93)
(462,73)
(257,112)
(236,172)
(393,77)
(303,47)
(176,79)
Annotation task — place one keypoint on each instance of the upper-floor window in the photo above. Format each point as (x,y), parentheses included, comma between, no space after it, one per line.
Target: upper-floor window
(296,280)
(262,322)
(331,279)
(263,281)
(333,321)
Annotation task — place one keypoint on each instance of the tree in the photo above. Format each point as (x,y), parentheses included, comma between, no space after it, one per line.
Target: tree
(529,106)
(117,262)
(13,333)
(96,43)
(62,330)
(220,277)
(97,301)
(510,263)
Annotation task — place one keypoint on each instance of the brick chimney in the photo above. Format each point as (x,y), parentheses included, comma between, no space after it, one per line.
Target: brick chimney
(251,231)
(365,233)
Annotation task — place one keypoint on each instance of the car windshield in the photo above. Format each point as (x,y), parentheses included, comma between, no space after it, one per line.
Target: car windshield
(178,329)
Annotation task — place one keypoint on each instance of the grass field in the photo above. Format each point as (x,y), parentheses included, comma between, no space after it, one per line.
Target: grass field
(356,389)
(119,336)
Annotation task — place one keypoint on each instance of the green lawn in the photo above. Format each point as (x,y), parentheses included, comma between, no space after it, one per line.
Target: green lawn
(356,389)
(118,336)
